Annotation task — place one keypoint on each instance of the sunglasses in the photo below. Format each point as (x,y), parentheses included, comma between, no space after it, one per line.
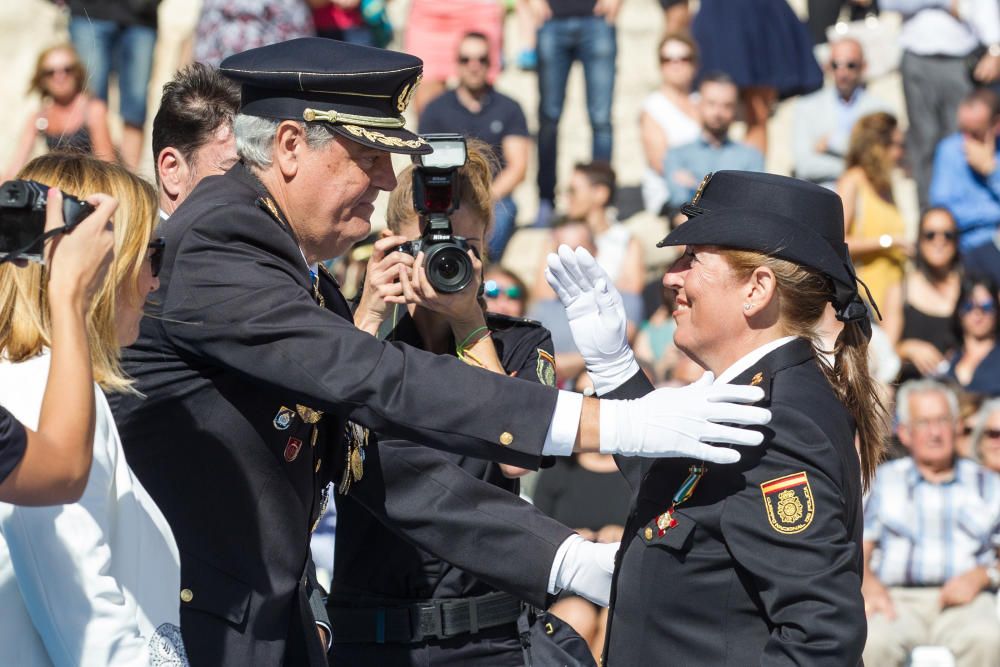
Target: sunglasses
(992,434)
(932,234)
(482,60)
(676,59)
(986,307)
(69,69)
(156,257)
(492,290)
(845,64)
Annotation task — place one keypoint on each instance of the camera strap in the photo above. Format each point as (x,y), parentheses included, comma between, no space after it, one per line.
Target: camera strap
(14,254)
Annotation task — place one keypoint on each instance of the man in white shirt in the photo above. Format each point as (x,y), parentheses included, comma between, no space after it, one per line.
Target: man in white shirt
(938,37)
(824,119)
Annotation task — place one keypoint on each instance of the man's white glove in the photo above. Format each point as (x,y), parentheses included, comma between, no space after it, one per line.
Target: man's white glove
(584,568)
(677,422)
(596,316)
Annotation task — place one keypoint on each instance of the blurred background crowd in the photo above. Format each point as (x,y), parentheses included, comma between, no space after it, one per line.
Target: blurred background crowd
(604,116)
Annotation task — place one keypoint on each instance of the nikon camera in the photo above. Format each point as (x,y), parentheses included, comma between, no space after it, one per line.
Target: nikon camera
(22,218)
(435,196)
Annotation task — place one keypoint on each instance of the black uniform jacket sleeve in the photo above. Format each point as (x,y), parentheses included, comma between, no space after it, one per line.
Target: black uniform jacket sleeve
(632,467)
(239,298)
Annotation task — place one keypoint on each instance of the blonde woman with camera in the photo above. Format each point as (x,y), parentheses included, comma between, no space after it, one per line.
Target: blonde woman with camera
(94,582)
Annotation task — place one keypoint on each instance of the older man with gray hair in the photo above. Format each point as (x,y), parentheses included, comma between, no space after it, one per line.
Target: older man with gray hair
(932,529)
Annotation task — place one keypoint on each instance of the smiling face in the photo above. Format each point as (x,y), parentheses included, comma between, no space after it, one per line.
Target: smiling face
(937,241)
(330,197)
(709,305)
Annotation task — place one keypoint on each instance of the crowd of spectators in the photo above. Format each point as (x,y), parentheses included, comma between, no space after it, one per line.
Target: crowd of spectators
(723,67)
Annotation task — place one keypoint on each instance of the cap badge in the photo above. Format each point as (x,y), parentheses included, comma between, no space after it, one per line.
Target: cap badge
(406,94)
(701,188)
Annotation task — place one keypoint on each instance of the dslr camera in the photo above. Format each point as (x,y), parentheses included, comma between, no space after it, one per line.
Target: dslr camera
(435,196)
(22,218)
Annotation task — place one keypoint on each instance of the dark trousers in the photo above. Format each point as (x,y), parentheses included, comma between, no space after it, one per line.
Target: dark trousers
(824,13)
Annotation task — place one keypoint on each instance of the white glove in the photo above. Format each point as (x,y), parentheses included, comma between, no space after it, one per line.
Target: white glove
(586,569)
(677,422)
(596,316)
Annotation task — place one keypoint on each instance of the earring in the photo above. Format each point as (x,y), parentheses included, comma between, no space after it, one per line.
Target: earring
(747,306)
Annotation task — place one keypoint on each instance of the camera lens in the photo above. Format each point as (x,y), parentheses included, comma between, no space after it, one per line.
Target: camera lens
(449,269)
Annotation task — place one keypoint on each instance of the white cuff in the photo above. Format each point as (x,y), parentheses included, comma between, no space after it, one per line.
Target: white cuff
(565,423)
(557,561)
(329,634)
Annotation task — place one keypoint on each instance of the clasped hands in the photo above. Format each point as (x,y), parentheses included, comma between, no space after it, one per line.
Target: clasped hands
(678,422)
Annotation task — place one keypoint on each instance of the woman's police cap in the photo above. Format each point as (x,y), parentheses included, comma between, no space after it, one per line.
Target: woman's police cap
(778,216)
(361,92)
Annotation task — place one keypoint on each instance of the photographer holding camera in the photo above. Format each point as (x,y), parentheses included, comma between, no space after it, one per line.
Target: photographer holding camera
(92,582)
(51,465)
(460,509)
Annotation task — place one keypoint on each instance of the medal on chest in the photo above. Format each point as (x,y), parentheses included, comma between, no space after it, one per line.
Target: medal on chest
(666,521)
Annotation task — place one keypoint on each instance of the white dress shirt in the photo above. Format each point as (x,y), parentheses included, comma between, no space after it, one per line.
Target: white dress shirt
(95,582)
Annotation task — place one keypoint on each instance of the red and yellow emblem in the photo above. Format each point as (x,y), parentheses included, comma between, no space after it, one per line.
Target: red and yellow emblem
(789,503)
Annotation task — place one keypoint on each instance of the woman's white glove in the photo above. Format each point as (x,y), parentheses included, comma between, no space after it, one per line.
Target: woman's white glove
(678,422)
(596,316)
(585,568)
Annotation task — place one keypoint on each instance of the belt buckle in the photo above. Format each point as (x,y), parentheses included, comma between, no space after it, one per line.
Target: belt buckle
(428,621)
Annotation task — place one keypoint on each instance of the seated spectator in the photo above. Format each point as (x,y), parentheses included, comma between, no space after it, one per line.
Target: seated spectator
(589,196)
(669,115)
(965,178)
(931,530)
(475,109)
(984,259)
(587,492)
(823,120)
(504,292)
(875,230)
(93,582)
(968,410)
(986,435)
(917,312)
(70,119)
(654,345)
(686,165)
(976,366)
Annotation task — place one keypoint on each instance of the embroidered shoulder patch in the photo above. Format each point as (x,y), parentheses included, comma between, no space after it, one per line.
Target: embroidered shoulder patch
(789,503)
(545,368)
(166,647)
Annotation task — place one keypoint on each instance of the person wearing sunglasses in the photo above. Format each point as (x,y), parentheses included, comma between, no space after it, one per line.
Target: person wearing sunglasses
(504,292)
(94,581)
(669,115)
(823,120)
(976,366)
(917,312)
(70,119)
(475,109)
(986,435)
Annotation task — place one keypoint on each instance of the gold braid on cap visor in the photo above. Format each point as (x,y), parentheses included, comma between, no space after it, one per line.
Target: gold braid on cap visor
(337,117)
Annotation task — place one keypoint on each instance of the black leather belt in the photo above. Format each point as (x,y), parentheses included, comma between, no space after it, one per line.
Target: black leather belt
(423,620)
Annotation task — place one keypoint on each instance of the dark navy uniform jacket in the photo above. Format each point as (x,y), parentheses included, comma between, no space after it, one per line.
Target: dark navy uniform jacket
(236,359)
(764,564)
(461,508)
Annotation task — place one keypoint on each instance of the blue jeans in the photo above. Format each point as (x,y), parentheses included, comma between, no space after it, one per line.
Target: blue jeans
(592,41)
(504,222)
(127,50)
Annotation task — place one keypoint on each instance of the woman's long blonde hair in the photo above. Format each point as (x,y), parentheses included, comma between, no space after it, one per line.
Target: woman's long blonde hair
(24,307)
(803,297)
(870,149)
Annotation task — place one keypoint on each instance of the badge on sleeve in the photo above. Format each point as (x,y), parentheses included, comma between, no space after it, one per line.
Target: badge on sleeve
(789,503)
(283,419)
(545,368)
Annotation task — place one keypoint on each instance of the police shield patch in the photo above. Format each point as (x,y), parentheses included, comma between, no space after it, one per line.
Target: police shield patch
(545,368)
(789,503)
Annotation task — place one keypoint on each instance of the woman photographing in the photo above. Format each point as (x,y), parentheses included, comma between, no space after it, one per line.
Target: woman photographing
(759,562)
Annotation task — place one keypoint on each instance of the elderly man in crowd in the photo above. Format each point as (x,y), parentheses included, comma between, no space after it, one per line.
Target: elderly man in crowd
(823,120)
(259,390)
(966,177)
(932,528)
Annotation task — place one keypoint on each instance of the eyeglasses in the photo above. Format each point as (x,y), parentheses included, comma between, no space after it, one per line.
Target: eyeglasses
(156,256)
(845,64)
(492,289)
(676,59)
(482,60)
(992,434)
(932,234)
(68,69)
(986,307)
